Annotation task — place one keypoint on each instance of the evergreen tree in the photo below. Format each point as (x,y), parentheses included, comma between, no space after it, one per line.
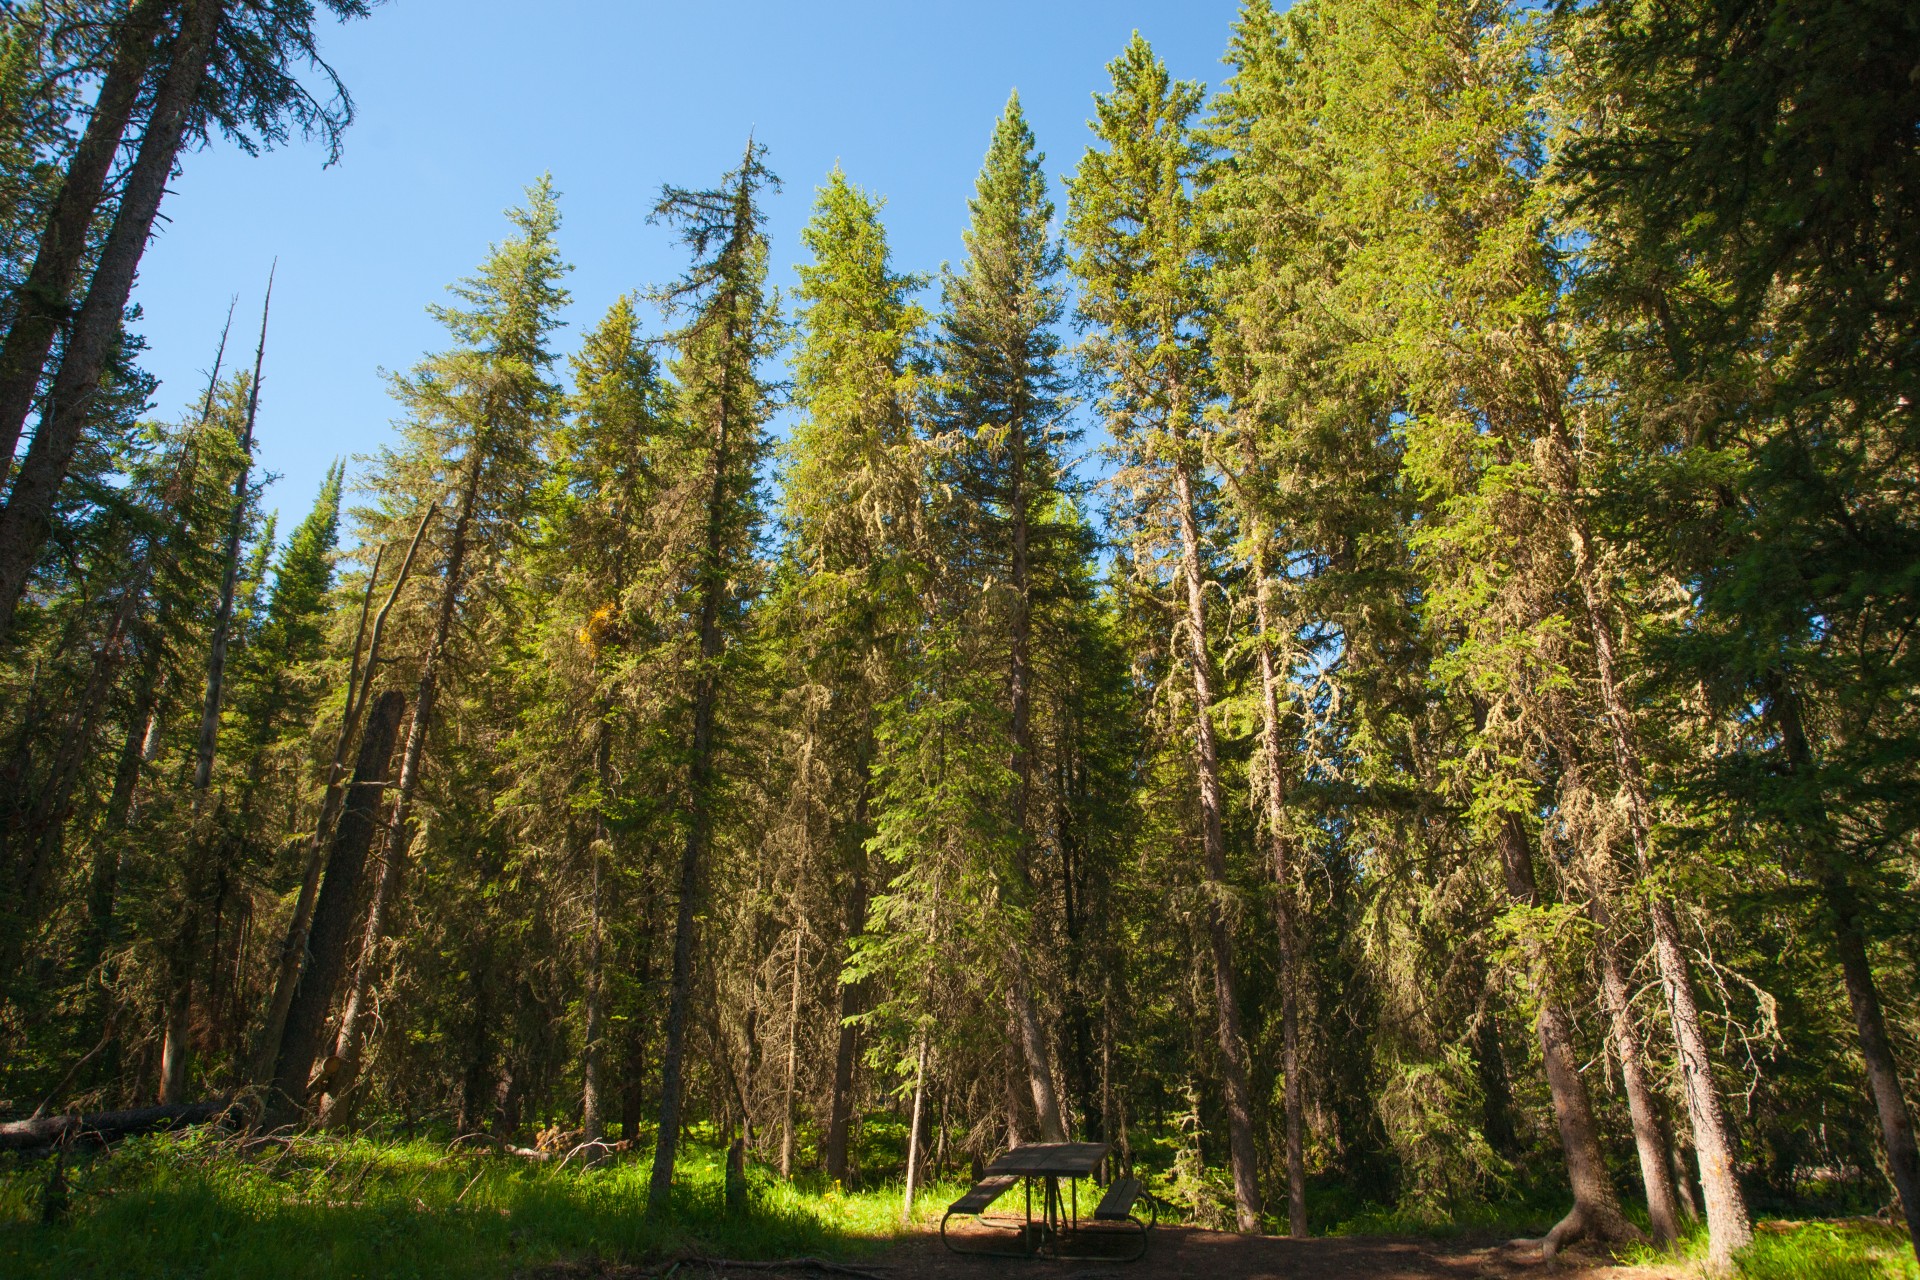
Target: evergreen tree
(1140,263)
(731,327)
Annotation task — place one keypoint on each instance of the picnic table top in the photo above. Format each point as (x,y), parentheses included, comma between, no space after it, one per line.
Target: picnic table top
(1051,1159)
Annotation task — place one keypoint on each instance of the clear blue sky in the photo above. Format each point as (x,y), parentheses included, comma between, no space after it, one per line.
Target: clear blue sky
(463,102)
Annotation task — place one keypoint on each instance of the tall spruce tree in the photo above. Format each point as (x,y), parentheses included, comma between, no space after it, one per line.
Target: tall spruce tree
(1001,406)
(1139,259)
(729,330)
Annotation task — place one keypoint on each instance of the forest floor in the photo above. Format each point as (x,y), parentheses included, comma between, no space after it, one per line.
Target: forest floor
(1187,1252)
(314,1207)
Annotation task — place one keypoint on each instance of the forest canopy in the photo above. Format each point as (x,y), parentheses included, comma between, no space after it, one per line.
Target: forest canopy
(1361,650)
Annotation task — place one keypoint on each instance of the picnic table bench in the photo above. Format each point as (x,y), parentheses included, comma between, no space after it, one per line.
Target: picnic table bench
(1060,1222)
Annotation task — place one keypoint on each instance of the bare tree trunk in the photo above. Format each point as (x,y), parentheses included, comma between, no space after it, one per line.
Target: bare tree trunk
(176,1046)
(1294,1093)
(293,947)
(793,1062)
(1596,1209)
(27,521)
(593,1052)
(42,303)
(333,915)
(1649,1135)
(913,1133)
(236,531)
(1233,1049)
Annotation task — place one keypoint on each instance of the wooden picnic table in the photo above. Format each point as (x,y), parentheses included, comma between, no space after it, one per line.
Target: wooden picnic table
(1046,1163)
(1050,1162)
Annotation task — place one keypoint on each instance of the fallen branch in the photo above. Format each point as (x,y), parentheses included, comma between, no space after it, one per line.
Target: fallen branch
(106,1127)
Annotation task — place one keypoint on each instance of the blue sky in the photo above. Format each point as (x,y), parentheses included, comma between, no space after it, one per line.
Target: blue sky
(463,102)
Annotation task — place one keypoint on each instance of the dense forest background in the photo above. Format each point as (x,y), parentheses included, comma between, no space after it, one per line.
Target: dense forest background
(1361,652)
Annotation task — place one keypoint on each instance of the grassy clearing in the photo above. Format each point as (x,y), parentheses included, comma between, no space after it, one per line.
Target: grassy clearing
(200,1206)
(196,1206)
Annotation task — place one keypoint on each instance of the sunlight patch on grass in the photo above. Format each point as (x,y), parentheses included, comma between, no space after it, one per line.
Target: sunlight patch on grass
(322,1207)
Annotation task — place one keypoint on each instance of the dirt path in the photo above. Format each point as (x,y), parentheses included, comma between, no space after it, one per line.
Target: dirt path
(1210,1255)
(1186,1253)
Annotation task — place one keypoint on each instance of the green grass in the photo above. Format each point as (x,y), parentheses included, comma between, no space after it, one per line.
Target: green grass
(1852,1250)
(195,1206)
(1845,1249)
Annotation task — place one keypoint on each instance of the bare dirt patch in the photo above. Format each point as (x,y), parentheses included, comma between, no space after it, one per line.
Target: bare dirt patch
(1190,1255)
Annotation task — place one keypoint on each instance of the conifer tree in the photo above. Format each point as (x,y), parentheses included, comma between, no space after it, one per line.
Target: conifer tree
(730,328)
(853,513)
(1139,259)
(1002,404)
(477,414)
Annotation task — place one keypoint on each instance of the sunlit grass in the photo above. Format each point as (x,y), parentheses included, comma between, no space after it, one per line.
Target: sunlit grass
(319,1207)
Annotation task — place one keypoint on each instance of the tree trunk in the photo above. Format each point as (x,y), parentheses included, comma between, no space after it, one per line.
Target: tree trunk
(339,898)
(592,1125)
(1233,1049)
(1294,1092)
(293,948)
(913,1133)
(1729,1228)
(176,1047)
(399,837)
(44,301)
(1026,1018)
(700,787)
(793,1064)
(236,531)
(27,521)
(1649,1135)
(840,1098)
(1841,904)
(1596,1209)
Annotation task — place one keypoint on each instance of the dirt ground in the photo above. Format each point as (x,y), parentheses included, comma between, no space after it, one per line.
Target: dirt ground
(1211,1255)
(1184,1252)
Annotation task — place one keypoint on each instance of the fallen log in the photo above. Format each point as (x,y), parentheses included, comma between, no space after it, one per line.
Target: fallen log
(106,1127)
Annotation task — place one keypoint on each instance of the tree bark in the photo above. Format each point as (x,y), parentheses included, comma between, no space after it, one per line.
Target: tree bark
(1233,1049)
(840,1096)
(26,522)
(1596,1209)
(700,772)
(913,1133)
(293,948)
(793,1063)
(1649,1135)
(1294,1092)
(1729,1228)
(105,1126)
(43,303)
(333,914)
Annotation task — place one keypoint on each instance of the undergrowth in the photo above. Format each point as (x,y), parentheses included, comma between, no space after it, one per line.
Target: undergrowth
(322,1207)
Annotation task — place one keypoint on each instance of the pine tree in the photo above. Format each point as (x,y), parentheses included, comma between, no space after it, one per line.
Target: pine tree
(477,414)
(1140,261)
(1001,405)
(730,328)
(853,513)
